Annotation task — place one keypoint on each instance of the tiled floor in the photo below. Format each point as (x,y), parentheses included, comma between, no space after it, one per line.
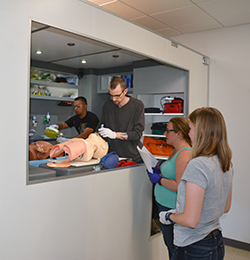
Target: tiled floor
(236,254)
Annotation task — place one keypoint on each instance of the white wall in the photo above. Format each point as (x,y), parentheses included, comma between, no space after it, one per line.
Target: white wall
(229,54)
(55,220)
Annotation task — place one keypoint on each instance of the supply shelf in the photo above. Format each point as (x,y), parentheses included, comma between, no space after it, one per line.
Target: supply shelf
(57,90)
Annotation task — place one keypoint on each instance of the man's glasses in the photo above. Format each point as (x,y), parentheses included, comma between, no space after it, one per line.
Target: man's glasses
(116,96)
(77,106)
(170,130)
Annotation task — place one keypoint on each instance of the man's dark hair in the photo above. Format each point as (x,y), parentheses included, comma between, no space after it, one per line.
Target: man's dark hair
(116,81)
(83,99)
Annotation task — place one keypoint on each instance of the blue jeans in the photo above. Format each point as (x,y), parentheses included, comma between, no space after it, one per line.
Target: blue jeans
(167,232)
(209,248)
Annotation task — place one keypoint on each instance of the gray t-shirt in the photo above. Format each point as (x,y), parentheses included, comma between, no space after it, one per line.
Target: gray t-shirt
(205,172)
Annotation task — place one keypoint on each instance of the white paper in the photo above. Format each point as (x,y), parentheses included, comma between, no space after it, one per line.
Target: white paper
(148,159)
(78,162)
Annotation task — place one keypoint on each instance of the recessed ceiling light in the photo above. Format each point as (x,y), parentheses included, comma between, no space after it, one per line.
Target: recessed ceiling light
(83,61)
(39,52)
(71,44)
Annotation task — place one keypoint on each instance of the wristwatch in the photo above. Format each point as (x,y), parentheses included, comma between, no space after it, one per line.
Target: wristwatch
(167,217)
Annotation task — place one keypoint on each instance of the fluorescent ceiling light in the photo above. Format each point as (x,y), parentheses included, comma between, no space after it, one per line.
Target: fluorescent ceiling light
(110,2)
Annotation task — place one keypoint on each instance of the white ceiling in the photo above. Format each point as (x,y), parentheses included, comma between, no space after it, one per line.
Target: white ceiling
(53,43)
(175,17)
(166,17)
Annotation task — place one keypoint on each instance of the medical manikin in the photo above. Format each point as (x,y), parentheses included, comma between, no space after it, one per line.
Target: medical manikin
(81,149)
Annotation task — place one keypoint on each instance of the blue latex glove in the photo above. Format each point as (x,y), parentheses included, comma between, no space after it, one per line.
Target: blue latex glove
(156,170)
(154,177)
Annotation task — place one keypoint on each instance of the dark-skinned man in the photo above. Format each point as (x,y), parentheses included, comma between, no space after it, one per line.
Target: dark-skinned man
(84,121)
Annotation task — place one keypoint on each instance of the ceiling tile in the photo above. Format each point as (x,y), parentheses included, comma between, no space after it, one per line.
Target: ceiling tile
(201,1)
(156,6)
(233,20)
(197,27)
(99,2)
(150,23)
(168,32)
(183,16)
(225,7)
(228,12)
(123,10)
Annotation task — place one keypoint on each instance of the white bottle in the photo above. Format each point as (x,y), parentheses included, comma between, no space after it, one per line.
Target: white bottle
(48,117)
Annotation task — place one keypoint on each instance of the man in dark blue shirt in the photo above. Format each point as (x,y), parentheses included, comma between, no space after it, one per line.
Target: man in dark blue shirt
(85,122)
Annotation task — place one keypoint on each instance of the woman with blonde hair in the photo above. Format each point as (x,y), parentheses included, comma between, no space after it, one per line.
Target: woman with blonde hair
(205,190)
(168,177)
